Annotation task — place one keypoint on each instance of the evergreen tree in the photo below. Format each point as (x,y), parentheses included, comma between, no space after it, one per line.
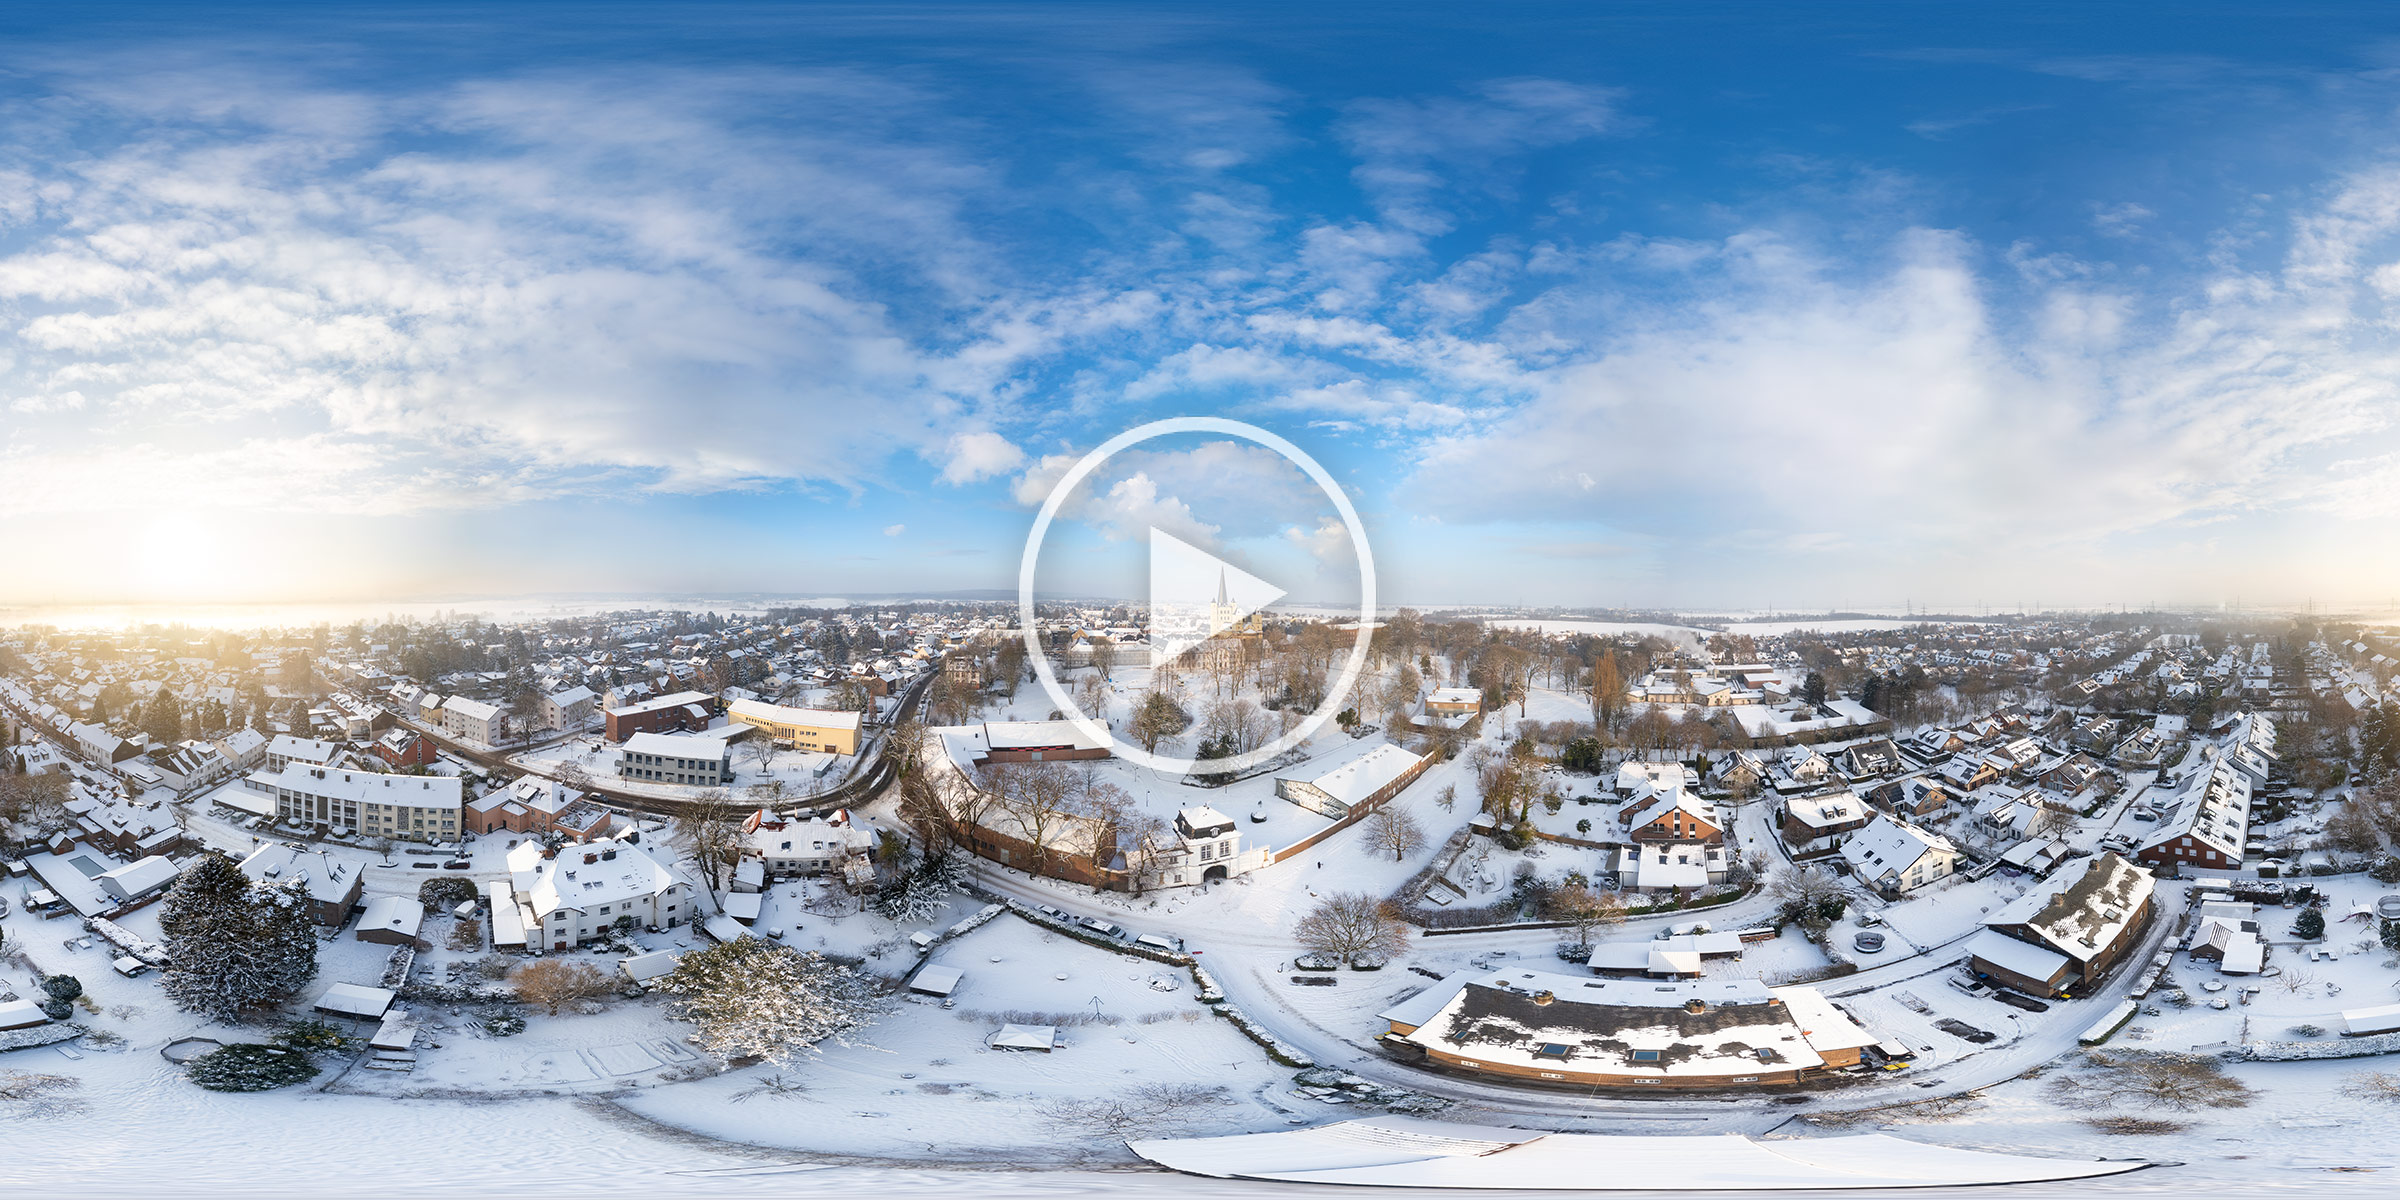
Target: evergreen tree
(163,718)
(232,946)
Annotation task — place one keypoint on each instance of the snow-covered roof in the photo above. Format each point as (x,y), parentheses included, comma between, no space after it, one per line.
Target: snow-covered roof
(671,700)
(1363,776)
(325,877)
(642,968)
(1889,845)
(141,875)
(673,746)
(2023,958)
(355,1000)
(302,749)
(784,714)
(1036,735)
(366,787)
(936,979)
(585,874)
(1025,1037)
(2085,916)
(1539,1020)
(1826,811)
(473,710)
(393,914)
(21,1014)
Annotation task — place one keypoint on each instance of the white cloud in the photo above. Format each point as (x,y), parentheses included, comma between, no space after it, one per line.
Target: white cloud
(592,287)
(980,455)
(1777,391)
(894,530)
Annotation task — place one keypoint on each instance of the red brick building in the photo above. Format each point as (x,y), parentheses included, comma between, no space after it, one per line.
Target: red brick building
(667,714)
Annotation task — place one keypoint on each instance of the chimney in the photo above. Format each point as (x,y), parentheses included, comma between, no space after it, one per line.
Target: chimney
(1543,997)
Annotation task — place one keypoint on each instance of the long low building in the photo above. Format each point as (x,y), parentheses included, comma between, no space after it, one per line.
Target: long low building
(1540,1027)
(1040,741)
(678,710)
(1363,782)
(818,730)
(422,808)
(661,758)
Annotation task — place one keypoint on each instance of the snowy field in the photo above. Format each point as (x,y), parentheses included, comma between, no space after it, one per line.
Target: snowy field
(1682,635)
(1780,626)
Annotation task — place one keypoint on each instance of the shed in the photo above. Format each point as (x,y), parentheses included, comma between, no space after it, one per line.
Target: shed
(935,979)
(138,878)
(398,1032)
(354,1000)
(508,918)
(749,876)
(743,906)
(724,929)
(642,968)
(20,1014)
(2383,1018)
(464,909)
(392,920)
(1026,1037)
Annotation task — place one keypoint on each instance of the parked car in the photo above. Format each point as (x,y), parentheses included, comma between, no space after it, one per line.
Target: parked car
(1109,929)
(1972,987)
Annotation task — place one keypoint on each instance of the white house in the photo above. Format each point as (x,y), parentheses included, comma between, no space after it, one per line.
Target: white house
(244,749)
(569,710)
(788,847)
(589,888)
(1895,856)
(474,720)
(285,750)
(664,758)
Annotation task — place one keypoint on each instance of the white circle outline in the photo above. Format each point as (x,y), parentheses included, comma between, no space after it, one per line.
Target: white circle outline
(1247,432)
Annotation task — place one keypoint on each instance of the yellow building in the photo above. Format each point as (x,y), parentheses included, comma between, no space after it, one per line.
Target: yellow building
(814,729)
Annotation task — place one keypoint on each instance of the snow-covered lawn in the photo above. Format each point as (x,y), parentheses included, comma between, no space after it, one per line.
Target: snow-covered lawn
(928,1085)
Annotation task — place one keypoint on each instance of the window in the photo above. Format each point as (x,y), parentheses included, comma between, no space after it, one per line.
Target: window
(1645,1056)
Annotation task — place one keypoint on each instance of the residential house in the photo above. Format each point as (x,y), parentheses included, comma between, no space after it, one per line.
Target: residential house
(587,890)
(1895,857)
(2055,938)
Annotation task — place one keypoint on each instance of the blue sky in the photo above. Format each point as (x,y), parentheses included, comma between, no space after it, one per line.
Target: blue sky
(1689,305)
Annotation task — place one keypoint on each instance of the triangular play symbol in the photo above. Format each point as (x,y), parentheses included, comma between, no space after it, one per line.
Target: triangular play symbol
(1195,594)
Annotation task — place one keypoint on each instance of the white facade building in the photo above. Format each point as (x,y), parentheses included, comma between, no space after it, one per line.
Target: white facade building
(661,758)
(587,889)
(474,720)
(424,808)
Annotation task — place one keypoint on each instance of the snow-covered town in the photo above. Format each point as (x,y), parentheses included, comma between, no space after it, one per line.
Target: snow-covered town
(2104,884)
(1010,599)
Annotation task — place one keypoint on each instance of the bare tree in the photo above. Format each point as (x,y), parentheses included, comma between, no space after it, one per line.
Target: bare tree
(709,828)
(763,749)
(1347,925)
(2177,1082)
(1586,912)
(1394,830)
(555,983)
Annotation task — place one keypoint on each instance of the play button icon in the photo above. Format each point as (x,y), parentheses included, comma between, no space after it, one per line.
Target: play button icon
(1194,595)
